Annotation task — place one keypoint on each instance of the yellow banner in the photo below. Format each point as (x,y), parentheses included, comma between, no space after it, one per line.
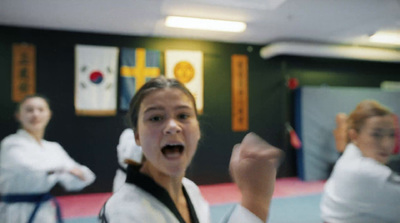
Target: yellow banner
(23,71)
(187,67)
(240,95)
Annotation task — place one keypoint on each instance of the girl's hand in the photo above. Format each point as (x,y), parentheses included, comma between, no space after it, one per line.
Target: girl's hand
(253,166)
(78,173)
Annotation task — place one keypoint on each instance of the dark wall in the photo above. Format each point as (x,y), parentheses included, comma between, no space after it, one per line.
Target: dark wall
(92,140)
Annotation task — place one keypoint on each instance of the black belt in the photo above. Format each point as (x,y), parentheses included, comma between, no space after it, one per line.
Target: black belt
(33,198)
(122,168)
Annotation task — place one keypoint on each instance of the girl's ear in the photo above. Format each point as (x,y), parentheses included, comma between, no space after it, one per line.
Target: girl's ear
(353,135)
(137,139)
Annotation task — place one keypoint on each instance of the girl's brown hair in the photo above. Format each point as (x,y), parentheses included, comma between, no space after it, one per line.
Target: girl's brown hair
(364,110)
(157,83)
(29,96)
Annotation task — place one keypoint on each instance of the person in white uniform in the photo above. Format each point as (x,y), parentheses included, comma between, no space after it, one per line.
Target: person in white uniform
(30,166)
(127,152)
(163,116)
(362,188)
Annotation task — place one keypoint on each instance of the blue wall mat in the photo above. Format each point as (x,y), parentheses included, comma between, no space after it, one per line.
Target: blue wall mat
(301,209)
(82,220)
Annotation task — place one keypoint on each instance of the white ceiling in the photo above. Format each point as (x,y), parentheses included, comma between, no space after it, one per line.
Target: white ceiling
(332,21)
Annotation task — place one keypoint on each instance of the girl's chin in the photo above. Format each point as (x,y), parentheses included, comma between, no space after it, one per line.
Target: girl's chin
(383,159)
(174,171)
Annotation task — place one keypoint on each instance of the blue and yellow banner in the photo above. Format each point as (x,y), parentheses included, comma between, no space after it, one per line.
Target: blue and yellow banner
(137,66)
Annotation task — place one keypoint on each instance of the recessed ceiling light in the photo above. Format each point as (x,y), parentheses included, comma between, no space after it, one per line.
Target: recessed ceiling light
(205,24)
(388,37)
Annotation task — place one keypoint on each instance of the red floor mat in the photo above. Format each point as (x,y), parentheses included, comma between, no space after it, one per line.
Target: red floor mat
(86,205)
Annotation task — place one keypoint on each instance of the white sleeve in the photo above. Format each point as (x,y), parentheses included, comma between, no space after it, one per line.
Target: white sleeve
(388,198)
(69,181)
(73,183)
(378,190)
(127,148)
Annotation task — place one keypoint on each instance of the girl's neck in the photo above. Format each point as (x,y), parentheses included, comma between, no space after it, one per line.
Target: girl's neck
(173,185)
(37,135)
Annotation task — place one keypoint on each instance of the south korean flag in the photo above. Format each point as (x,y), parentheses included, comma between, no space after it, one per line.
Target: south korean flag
(96,80)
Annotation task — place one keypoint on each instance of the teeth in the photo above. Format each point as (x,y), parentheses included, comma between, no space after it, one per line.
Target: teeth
(174,144)
(172,155)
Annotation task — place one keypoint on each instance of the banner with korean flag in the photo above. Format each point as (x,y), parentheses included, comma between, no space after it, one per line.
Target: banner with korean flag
(96,80)
(187,67)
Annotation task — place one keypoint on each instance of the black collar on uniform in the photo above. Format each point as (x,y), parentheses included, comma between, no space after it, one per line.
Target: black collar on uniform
(134,176)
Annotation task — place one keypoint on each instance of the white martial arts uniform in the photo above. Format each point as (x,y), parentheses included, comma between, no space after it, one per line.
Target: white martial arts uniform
(126,149)
(24,170)
(361,189)
(141,200)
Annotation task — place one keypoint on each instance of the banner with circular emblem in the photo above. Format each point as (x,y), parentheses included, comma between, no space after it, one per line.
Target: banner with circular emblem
(187,67)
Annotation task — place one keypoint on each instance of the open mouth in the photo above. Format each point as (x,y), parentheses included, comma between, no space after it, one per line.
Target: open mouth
(172,151)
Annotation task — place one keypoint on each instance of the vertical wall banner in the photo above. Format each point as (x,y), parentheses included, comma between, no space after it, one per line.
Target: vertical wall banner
(137,67)
(96,80)
(187,67)
(23,71)
(240,95)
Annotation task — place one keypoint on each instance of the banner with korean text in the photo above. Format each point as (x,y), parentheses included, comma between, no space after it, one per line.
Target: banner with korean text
(23,71)
(96,80)
(240,95)
(137,67)
(187,67)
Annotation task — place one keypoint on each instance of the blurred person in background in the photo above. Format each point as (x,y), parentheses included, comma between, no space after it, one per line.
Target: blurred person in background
(31,166)
(362,188)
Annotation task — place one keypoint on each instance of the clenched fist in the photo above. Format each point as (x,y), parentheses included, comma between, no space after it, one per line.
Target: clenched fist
(253,167)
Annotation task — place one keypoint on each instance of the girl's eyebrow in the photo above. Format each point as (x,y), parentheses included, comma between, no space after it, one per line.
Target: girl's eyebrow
(183,107)
(153,108)
(383,130)
(160,108)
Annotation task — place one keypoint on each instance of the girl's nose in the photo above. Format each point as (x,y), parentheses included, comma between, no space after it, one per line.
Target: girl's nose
(172,127)
(35,112)
(388,142)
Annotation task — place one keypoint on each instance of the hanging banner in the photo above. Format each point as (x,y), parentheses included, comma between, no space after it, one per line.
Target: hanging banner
(96,80)
(187,67)
(23,71)
(240,98)
(137,67)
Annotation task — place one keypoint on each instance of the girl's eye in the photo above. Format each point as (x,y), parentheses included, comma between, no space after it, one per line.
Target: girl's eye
(377,135)
(29,109)
(183,116)
(155,118)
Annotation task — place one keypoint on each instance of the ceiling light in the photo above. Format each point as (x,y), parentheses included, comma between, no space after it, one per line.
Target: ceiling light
(388,37)
(205,24)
